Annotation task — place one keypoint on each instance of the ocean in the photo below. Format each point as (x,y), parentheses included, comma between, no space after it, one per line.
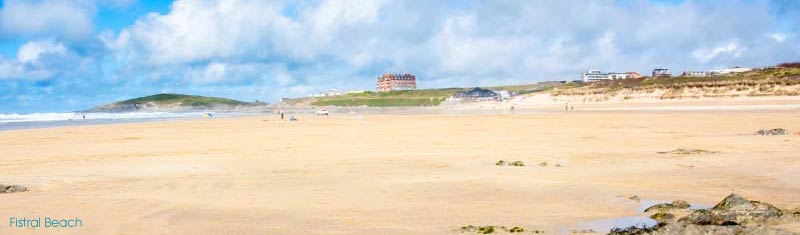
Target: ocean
(15,121)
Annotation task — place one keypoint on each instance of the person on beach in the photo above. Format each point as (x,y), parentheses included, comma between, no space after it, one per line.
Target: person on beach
(281,114)
(512,109)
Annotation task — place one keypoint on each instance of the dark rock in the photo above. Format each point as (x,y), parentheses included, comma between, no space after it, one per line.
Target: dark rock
(776,131)
(543,164)
(699,217)
(735,209)
(733,215)
(489,229)
(505,163)
(682,151)
(584,231)
(662,216)
(468,228)
(634,230)
(634,197)
(486,230)
(12,188)
(679,204)
(516,230)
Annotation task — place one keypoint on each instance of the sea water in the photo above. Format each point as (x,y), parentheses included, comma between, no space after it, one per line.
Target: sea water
(13,121)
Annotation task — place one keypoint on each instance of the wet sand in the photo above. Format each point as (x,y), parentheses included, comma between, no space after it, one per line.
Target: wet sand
(390,174)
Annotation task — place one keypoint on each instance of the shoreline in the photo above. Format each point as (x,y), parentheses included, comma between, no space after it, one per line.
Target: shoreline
(480,108)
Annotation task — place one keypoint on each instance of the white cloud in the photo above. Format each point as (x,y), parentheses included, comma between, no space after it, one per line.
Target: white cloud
(778,37)
(31,51)
(43,59)
(205,30)
(65,19)
(705,55)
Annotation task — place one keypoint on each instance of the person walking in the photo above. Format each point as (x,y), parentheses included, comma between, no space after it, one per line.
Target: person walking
(281,115)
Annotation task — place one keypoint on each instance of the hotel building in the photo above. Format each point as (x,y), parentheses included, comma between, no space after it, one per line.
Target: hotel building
(397,82)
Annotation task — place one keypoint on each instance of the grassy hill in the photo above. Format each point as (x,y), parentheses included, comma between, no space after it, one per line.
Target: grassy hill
(424,97)
(183,100)
(171,102)
(385,99)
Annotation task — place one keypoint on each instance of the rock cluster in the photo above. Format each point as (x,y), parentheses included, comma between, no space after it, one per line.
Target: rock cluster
(662,216)
(733,215)
(683,151)
(505,163)
(776,131)
(12,188)
(489,229)
(678,204)
(734,210)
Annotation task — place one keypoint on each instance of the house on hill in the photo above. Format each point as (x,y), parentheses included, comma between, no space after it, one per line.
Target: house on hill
(661,73)
(476,94)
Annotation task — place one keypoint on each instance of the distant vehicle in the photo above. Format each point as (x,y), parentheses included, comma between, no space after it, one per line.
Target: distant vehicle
(322,112)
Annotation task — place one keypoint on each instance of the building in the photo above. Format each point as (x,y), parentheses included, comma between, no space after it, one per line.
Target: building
(729,71)
(615,76)
(397,82)
(350,92)
(330,92)
(594,75)
(715,72)
(661,73)
(476,94)
(696,74)
(597,75)
(504,95)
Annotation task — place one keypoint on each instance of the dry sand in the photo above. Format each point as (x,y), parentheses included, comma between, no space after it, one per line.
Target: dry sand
(381,174)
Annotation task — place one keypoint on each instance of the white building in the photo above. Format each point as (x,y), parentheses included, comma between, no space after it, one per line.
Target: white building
(504,95)
(354,92)
(597,75)
(331,92)
(696,73)
(729,71)
(594,75)
(615,76)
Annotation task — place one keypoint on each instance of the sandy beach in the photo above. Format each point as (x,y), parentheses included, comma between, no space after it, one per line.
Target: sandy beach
(391,174)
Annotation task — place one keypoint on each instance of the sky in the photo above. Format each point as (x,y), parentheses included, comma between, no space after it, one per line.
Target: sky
(67,55)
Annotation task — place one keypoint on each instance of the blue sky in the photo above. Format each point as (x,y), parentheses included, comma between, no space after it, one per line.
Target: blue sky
(66,55)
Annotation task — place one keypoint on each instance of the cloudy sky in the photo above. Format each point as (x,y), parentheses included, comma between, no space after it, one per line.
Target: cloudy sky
(66,55)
